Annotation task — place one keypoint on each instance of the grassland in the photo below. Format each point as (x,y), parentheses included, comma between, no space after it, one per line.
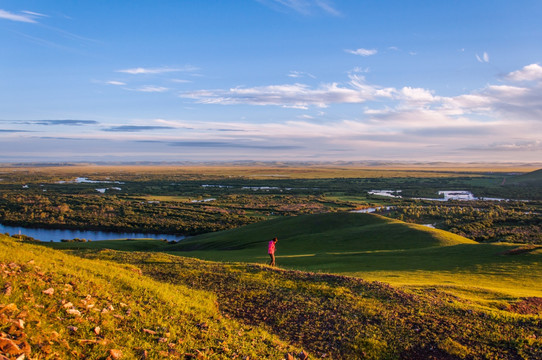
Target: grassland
(341,317)
(370,247)
(449,298)
(268,171)
(57,306)
(377,248)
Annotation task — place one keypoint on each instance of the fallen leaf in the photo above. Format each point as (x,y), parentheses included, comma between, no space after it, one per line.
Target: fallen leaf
(19,323)
(9,347)
(115,354)
(49,291)
(9,308)
(73,312)
(7,289)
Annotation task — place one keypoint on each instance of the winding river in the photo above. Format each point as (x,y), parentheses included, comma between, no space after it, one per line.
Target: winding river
(57,235)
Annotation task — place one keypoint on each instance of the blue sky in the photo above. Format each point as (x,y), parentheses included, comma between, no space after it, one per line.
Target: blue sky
(312,80)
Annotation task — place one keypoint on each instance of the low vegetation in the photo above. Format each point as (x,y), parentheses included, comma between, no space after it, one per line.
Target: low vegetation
(180,307)
(188,200)
(54,305)
(370,247)
(438,295)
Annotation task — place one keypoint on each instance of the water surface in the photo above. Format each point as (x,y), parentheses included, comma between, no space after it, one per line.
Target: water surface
(57,235)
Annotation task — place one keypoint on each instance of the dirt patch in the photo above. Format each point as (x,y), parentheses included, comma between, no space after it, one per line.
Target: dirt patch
(530,305)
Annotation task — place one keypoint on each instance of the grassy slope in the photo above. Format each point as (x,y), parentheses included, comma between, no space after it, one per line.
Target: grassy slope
(331,316)
(349,318)
(534,177)
(367,246)
(376,248)
(134,313)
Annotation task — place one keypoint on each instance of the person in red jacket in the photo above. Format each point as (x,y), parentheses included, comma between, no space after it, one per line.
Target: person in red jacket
(271,251)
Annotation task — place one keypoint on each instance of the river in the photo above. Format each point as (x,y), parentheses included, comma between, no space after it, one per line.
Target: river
(57,235)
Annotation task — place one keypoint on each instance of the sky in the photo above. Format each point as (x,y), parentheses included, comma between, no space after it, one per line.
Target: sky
(271,80)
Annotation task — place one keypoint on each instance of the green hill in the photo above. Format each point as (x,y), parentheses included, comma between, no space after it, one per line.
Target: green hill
(377,248)
(368,246)
(532,178)
(322,233)
(150,305)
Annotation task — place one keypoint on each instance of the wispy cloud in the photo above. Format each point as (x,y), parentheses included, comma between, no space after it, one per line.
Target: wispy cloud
(151,88)
(136,128)
(57,122)
(12,131)
(520,145)
(303,7)
(26,17)
(113,82)
(328,7)
(226,144)
(300,74)
(407,118)
(32,13)
(293,95)
(158,70)
(484,58)
(362,52)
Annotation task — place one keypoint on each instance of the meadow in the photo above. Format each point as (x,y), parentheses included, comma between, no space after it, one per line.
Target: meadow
(348,285)
(370,247)
(106,303)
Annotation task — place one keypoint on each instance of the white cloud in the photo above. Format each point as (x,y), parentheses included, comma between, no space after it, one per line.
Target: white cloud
(362,52)
(520,145)
(152,88)
(484,58)
(159,70)
(402,123)
(358,70)
(328,7)
(416,95)
(293,95)
(32,13)
(299,74)
(113,82)
(26,17)
(532,72)
(303,7)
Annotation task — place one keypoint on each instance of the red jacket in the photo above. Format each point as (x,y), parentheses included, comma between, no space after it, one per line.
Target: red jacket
(271,247)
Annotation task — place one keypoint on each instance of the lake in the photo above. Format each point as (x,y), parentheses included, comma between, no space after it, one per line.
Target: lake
(57,235)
